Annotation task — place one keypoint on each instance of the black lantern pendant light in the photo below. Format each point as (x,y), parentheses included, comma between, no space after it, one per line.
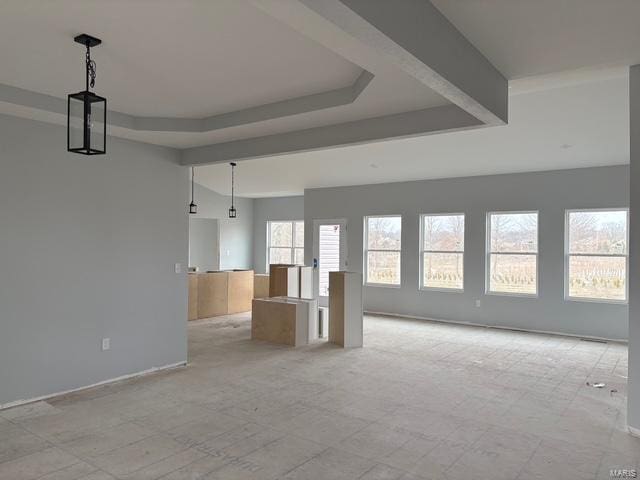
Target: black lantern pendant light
(86,109)
(232,210)
(193,208)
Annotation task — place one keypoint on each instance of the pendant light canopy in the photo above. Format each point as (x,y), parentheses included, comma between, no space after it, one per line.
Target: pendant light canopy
(86,110)
(193,208)
(232,210)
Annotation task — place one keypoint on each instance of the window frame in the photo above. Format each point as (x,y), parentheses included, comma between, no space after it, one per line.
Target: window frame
(366,249)
(292,248)
(422,251)
(568,255)
(489,252)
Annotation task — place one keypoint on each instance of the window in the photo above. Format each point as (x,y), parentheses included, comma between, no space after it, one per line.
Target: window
(442,251)
(596,255)
(382,250)
(285,242)
(512,253)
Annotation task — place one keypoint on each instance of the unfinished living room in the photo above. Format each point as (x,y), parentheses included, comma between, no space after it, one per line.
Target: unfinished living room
(319,239)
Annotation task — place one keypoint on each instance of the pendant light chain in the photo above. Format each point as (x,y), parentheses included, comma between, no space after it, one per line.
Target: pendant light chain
(91,69)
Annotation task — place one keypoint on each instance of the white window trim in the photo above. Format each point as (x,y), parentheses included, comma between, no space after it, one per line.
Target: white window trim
(488,252)
(422,251)
(293,240)
(567,257)
(367,250)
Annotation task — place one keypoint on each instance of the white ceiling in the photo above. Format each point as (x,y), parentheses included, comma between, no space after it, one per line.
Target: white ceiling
(586,124)
(187,58)
(568,108)
(523,38)
(164,57)
(193,58)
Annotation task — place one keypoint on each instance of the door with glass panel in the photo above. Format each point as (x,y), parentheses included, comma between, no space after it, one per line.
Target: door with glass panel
(329,254)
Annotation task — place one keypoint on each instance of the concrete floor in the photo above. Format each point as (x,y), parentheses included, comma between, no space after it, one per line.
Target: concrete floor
(420,401)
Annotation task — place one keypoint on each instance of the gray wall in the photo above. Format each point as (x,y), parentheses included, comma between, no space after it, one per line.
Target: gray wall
(88,247)
(633,404)
(236,235)
(549,192)
(204,244)
(266,210)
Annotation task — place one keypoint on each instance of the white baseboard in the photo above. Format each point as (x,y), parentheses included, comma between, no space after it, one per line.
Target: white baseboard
(85,387)
(499,327)
(634,431)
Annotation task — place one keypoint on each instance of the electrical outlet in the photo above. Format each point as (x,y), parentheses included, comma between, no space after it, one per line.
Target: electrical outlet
(178,268)
(106,344)
(478,303)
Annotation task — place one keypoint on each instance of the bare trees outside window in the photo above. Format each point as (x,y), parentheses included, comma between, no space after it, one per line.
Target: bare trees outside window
(383,250)
(512,253)
(596,255)
(442,251)
(285,242)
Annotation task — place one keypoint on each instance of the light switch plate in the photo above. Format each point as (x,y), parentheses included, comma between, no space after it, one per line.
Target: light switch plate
(178,268)
(106,344)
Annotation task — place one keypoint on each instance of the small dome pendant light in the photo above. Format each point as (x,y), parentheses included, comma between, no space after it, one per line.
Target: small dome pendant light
(193,208)
(232,210)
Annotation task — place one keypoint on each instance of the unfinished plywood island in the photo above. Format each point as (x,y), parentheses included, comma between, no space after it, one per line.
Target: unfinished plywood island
(283,281)
(345,309)
(311,305)
(280,320)
(290,281)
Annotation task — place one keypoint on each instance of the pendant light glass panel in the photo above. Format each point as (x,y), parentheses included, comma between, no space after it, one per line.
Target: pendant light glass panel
(86,123)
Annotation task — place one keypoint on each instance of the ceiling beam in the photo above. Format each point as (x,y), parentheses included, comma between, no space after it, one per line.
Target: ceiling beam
(408,124)
(412,35)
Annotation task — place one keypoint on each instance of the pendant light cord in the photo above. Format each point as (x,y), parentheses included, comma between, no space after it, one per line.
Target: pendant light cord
(192,174)
(233,166)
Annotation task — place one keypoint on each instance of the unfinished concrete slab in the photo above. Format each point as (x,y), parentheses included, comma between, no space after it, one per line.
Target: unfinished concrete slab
(421,401)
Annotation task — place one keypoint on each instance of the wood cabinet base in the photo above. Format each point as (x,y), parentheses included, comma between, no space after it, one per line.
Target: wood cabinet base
(278,320)
(220,293)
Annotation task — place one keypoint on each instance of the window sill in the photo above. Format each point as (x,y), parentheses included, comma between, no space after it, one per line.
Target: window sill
(514,295)
(596,300)
(442,290)
(382,285)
